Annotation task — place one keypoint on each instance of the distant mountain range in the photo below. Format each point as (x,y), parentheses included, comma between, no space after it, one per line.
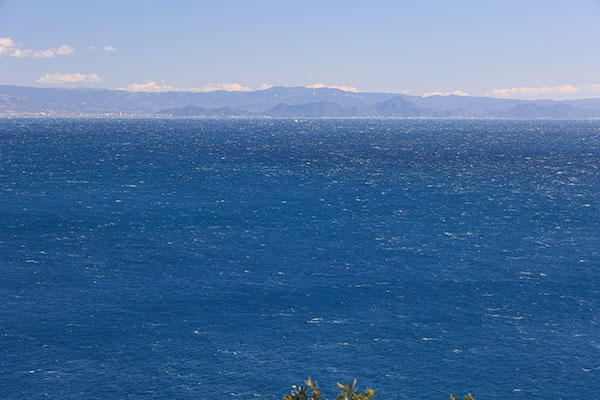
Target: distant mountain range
(280,102)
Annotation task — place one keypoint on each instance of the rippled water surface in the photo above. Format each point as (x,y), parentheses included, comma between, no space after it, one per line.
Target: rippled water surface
(194,259)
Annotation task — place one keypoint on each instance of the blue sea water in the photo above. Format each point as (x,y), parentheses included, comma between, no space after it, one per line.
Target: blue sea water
(231,259)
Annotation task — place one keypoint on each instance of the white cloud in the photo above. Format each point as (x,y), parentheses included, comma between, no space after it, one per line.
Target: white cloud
(344,88)
(152,86)
(558,92)
(110,48)
(535,91)
(7,42)
(230,87)
(65,50)
(593,88)
(454,93)
(9,48)
(148,86)
(68,78)
(265,86)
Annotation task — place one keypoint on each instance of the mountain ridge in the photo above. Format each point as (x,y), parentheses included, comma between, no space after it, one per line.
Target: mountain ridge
(280,102)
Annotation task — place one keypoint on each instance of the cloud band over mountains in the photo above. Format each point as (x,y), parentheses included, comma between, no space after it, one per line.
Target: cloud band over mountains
(543,90)
(152,86)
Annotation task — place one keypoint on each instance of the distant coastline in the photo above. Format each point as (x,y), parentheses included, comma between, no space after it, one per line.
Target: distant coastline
(279,102)
(267,118)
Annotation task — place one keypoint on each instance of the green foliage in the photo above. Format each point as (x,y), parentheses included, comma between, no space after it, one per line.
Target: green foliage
(467,397)
(347,392)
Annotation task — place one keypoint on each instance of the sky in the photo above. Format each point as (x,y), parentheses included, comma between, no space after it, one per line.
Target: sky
(515,49)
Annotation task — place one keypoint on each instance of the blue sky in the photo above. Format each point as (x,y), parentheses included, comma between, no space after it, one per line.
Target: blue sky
(520,49)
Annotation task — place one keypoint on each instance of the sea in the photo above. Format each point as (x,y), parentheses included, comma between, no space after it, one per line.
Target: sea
(234,258)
